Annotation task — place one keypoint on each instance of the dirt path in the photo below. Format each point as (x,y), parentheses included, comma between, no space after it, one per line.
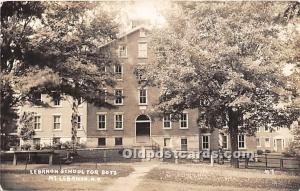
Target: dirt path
(130,182)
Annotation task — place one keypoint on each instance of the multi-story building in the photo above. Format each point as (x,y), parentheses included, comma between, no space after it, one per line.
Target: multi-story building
(273,139)
(52,120)
(132,121)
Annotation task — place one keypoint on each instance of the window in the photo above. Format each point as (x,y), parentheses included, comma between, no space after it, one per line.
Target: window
(56,120)
(119,97)
(79,124)
(241,141)
(36,141)
(118,71)
(225,142)
(118,121)
(118,141)
(101,141)
(205,142)
(184,121)
(167,121)
(101,121)
(56,140)
(37,122)
(142,33)
(123,51)
(277,128)
(143,96)
(267,128)
(267,142)
(78,139)
(184,144)
(142,50)
(257,129)
(167,142)
(57,102)
(37,97)
(258,144)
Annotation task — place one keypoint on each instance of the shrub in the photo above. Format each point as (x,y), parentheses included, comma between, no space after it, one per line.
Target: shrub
(267,151)
(57,145)
(260,152)
(26,146)
(37,146)
(46,147)
(67,145)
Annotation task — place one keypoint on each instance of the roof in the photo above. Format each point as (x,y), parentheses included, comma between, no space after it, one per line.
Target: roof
(119,36)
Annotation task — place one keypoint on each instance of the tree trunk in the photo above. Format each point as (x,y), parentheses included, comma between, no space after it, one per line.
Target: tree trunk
(233,115)
(74,122)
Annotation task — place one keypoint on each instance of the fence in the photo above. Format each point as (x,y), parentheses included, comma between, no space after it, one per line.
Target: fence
(271,161)
(264,161)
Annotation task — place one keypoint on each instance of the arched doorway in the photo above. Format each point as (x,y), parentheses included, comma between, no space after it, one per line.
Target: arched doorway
(142,128)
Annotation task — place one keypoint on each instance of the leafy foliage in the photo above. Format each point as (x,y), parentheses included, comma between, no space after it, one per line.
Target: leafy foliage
(53,48)
(26,130)
(226,59)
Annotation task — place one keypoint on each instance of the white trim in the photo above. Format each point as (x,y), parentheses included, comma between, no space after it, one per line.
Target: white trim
(60,119)
(187,142)
(227,141)
(101,112)
(115,122)
(139,96)
(135,122)
(122,72)
(206,135)
(126,51)
(169,121)
(121,97)
(269,145)
(245,146)
(60,102)
(40,122)
(187,121)
(104,114)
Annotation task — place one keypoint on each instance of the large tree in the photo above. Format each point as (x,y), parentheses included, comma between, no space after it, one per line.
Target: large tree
(226,59)
(54,48)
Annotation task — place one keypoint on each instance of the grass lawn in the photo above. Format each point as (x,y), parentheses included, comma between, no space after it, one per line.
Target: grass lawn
(152,176)
(203,177)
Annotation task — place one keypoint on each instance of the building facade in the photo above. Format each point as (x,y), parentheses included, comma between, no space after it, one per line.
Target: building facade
(274,140)
(52,123)
(132,121)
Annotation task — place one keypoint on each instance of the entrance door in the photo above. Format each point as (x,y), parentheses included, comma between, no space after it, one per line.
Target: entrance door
(279,145)
(142,129)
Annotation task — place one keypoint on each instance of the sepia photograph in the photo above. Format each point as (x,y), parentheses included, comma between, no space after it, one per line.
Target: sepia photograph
(150,95)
